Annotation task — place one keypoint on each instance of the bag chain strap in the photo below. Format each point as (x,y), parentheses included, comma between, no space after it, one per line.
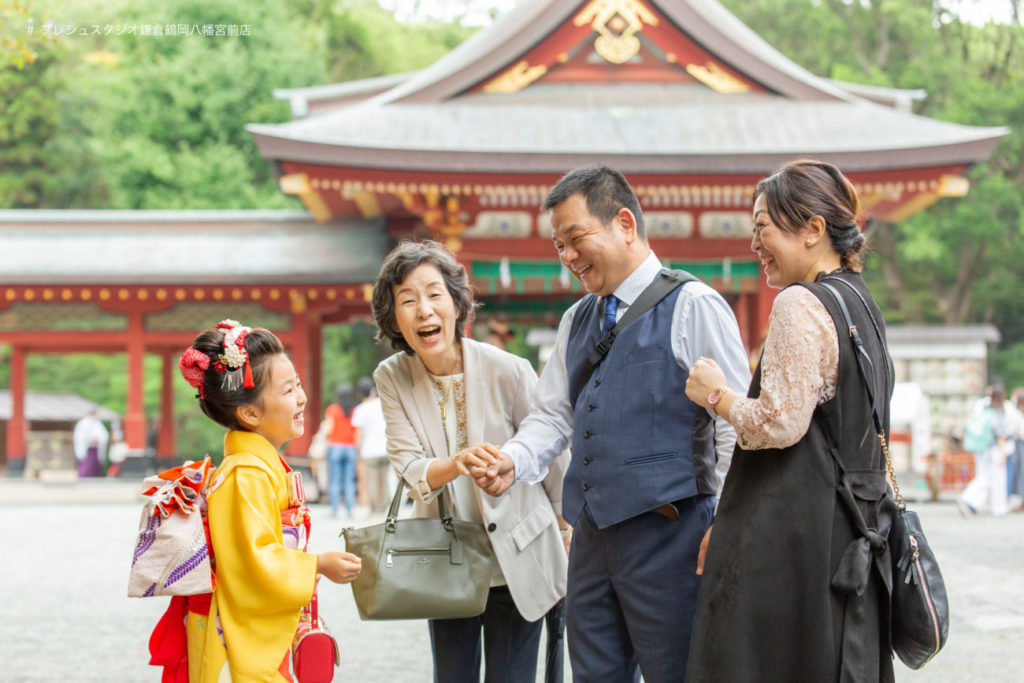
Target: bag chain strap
(889,472)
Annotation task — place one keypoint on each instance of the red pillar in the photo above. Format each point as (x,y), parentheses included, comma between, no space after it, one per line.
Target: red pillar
(314,383)
(742,313)
(299,351)
(16,428)
(167,446)
(135,408)
(765,298)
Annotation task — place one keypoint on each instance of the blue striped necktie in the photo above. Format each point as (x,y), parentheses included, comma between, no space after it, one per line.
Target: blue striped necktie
(611,307)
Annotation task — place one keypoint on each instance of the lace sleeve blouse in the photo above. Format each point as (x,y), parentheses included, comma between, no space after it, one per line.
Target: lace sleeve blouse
(799,370)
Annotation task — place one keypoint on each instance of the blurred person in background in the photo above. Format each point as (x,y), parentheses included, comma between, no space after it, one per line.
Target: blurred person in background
(988,488)
(372,447)
(90,439)
(341,450)
(1015,467)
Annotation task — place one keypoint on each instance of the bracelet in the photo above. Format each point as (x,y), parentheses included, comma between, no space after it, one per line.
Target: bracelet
(566,532)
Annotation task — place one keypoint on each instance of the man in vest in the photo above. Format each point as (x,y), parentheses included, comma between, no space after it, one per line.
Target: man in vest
(647,463)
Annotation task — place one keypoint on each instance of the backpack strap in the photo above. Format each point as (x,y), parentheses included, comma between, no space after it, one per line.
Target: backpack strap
(663,285)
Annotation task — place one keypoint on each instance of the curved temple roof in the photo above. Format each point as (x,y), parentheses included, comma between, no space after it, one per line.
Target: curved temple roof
(444,118)
(150,247)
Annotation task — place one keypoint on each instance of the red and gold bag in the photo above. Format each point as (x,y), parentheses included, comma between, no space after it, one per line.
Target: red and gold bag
(314,649)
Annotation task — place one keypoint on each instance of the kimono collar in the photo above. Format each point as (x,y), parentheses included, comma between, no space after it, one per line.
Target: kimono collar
(237,441)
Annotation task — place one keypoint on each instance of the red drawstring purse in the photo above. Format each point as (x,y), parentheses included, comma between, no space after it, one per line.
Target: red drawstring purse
(314,650)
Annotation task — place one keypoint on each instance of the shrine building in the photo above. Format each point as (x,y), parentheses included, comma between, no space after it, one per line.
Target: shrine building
(689,103)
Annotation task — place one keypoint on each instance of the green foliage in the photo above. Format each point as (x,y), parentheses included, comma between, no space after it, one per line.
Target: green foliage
(30,119)
(1008,363)
(21,34)
(349,353)
(363,40)
(166,114)
(138,121)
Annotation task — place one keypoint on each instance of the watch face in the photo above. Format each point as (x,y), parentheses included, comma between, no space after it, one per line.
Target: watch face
(715,396)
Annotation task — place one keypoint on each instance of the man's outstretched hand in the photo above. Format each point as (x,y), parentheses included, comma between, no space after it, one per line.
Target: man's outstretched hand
(497,476)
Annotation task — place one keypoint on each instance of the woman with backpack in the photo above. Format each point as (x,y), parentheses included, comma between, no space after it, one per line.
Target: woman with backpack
(987,436)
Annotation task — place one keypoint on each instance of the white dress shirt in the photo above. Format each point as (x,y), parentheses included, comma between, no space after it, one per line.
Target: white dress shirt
(702,325)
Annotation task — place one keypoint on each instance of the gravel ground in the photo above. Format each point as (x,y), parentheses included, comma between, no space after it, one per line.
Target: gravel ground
(65,616)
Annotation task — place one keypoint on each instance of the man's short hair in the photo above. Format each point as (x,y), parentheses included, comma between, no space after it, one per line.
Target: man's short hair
(604,190)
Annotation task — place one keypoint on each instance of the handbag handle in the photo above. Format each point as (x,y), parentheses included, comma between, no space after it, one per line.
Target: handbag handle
(314,613)
(864,360)
(396,501)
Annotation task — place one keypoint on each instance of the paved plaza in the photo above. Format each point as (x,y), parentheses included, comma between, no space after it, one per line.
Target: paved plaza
(65,616)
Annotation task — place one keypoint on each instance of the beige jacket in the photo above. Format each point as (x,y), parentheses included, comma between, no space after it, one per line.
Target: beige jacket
(525,536)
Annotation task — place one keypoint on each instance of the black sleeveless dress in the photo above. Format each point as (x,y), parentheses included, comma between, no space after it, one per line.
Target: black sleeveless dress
(790,591)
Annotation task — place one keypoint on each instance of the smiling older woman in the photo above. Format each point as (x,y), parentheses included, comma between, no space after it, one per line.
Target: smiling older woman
(783,597)
(440,393)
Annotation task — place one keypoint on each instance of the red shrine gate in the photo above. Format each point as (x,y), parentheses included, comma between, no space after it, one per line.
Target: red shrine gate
(145,282)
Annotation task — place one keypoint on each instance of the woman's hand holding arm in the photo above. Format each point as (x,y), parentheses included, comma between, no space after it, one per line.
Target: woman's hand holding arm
(705,378)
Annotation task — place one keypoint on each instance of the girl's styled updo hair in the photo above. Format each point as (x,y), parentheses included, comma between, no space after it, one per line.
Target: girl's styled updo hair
(805,188)
(203,366)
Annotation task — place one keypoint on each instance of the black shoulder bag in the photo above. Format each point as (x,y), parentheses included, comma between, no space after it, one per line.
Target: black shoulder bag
(920,609)
(663,285)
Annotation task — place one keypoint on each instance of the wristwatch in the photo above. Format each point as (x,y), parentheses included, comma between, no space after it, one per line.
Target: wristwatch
(714,397)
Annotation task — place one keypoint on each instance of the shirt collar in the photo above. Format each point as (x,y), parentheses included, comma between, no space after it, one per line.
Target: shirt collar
(637,281)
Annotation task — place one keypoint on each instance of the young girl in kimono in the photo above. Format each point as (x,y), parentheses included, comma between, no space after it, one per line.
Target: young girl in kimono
(257,510)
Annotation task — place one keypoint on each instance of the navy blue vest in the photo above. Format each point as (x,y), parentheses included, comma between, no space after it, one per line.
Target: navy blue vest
(638,441)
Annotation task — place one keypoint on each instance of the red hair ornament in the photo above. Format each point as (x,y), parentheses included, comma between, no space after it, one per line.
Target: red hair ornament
(193,365)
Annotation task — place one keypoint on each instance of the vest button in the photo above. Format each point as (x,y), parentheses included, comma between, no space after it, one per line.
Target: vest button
(597,382)
(586,434)
(492,526)
(590,407)
(586,461)
(586,486)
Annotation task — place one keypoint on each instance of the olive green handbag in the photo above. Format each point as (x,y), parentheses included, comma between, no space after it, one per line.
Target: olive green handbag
(427,568)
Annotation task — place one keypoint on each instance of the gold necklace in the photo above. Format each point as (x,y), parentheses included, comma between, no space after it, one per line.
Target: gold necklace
(455,394)
(442,395)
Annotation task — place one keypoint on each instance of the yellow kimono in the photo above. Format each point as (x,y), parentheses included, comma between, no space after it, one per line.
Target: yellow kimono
(261,585)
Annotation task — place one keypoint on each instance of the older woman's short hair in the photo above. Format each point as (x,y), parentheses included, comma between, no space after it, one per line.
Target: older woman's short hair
(404,259)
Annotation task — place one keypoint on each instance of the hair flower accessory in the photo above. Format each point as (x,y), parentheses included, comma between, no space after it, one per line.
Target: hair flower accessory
(234,362)
(193,365)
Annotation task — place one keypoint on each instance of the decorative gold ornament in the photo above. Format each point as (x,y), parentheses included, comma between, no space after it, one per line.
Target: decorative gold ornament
(716,78)
(617,22)
(516,78)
